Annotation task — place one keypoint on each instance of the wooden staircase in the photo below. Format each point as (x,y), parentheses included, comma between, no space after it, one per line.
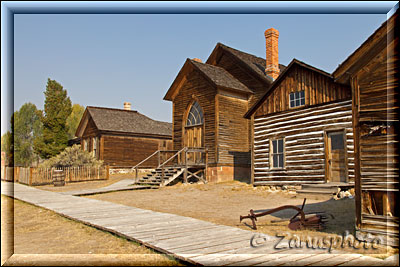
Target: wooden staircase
(157,179)
(187,163)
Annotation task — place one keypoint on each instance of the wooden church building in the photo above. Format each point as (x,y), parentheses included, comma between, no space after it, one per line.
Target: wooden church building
(122,137)
(209,100)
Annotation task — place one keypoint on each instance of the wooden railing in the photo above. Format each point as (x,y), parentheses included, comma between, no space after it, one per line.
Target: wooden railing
(185,157)
(43,176)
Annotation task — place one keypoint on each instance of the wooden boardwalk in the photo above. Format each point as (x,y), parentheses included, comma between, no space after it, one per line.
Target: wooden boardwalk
(194,241)
(123,185)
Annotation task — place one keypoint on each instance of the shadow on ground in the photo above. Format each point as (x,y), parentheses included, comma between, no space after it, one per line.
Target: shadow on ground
(342,210)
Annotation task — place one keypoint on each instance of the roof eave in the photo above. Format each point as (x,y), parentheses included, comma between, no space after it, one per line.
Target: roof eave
(343,72)
(294,61)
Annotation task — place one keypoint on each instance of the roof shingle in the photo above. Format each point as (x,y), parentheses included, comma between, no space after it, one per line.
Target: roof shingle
(127,121)
(220,76)
(255,63)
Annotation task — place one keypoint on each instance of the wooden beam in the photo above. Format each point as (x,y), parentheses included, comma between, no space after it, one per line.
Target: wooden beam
(356,137)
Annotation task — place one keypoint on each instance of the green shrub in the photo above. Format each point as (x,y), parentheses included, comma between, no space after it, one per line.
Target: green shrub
(72,157)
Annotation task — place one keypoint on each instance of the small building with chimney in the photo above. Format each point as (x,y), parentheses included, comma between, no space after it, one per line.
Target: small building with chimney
(302,130)
(209,101)
(122,137)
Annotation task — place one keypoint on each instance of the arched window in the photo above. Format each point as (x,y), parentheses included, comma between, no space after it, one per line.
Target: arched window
(195,116)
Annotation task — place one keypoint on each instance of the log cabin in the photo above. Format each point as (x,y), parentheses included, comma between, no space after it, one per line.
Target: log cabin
(122,137)
(302,129)
(371,71)
(208,103)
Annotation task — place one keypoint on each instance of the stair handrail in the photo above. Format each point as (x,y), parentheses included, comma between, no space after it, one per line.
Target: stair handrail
(140,163)
(137,165)
(165,162)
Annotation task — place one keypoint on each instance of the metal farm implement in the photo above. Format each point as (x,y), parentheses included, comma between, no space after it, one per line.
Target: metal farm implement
(302,220)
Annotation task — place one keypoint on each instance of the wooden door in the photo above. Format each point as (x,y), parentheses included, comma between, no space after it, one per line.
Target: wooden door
(194,131)
(336,157)
(194,139)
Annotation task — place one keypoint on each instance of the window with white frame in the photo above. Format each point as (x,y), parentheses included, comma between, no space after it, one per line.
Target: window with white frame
(277,154)
(195,116)
(297,99)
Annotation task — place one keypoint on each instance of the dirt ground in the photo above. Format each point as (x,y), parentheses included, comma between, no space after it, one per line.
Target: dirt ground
(223,203)
(40,231)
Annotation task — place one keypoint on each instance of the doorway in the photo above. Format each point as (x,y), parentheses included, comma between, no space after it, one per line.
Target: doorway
(194,131)
(336,157)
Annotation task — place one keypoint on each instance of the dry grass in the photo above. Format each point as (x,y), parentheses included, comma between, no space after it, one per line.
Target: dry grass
(40,231)
(223,203)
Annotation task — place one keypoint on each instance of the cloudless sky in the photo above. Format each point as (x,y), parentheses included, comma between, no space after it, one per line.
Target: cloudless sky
(105,60)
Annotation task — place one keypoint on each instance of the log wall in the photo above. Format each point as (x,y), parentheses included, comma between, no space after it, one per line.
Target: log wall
(303,133)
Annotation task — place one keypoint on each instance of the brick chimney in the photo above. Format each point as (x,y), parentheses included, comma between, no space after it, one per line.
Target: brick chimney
(127,106)
(272,57)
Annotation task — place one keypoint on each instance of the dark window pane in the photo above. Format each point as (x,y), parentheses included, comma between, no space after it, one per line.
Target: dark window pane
(274,147)
(280,146)
(291,104)
(337,141)
(291,96)
(297,95)
(302,94)
(275,161)
(302,101)
(280,160)
(195,115)
(297,102)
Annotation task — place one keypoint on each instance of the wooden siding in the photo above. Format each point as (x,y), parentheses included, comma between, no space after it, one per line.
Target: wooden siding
(195,88)
(125,151)
(303,133)
(258,87)
(375,90)
(318,89)
(90,130)
(233,142)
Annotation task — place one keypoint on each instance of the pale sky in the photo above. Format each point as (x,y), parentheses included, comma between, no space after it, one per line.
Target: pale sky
(105,60)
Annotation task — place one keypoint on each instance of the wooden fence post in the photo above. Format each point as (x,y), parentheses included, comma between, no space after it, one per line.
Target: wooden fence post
(186,169)
(205,170)
(30,175)
(108,172)
(16,174)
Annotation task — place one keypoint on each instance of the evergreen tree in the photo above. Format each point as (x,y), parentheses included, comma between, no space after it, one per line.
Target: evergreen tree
(27,126)
(57,108)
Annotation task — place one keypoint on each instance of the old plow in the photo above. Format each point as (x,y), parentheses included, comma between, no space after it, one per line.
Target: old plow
(302,220)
